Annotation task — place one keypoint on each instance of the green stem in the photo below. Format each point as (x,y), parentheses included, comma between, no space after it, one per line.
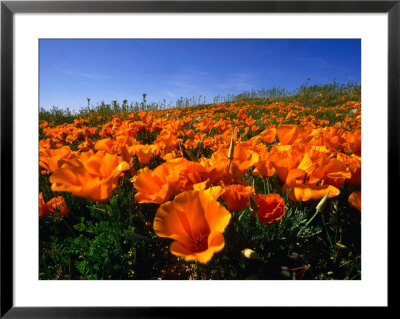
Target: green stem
(308,223)
(326,230)
(265,190)
(69,227)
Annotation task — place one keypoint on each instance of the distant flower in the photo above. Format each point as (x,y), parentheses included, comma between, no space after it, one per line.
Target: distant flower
(196,221)
(355,200)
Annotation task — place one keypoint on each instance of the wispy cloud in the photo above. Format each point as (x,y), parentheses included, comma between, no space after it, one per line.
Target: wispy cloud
(319,62)
(188,79)
(170,94)
(86,75)
(237,82)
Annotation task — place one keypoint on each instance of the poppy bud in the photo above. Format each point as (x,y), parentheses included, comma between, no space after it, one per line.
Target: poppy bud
(285,272)
(231,148)
(253,204)
(251,254)
(294,255)
(321,205)
(230,152)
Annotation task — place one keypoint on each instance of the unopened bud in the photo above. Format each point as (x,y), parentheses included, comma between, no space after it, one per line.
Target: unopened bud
(285,272)
(321,205)
(231,148)
(230,153)
(251,254)
(294,255)
(253,204)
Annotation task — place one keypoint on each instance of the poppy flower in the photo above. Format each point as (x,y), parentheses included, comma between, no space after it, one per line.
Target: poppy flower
(332,171)
(236,196)
(353,142)
(46,144)
(271,207)
(167,140)
(309,192)
(105,144)
(174,176)
(52,159)
(186,175)
(334,138)
(269,134)
(355,200)
(354,166)
(152,186)
(144,152)
(57,206)
(91,175)
(196,221)
(242,160)
(289,134)
(43,208)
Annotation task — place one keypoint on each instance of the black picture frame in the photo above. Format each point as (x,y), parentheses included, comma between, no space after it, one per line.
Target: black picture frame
(9,8)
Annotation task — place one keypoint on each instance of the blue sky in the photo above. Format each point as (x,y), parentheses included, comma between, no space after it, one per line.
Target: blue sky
(104,70)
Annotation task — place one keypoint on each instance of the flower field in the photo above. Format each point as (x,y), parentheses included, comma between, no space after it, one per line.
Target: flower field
(246,189)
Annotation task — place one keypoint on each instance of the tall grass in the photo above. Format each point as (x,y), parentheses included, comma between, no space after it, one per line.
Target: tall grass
(327,94)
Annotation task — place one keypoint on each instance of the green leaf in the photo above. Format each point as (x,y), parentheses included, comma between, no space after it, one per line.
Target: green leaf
(242,215)
(97,209)
(81,266)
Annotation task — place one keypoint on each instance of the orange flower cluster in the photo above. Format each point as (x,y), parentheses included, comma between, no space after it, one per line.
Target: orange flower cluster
(201,154)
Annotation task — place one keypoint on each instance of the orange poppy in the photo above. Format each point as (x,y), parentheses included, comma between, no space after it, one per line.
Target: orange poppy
(152,186)
(242,160)
(269,134)
(91,175)
(309,192)
(174,176)
(105,144)
(332,171)
(43,208)
(355,200)
(353,142)
(196,221)
(52,159)
(271,207)
(289,134)
(57,206)
(186,175)
(144,152)
(236,196)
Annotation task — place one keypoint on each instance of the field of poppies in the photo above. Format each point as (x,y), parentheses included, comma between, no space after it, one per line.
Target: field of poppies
(246,188)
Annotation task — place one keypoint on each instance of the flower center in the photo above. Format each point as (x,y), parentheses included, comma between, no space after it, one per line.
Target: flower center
(200,242)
